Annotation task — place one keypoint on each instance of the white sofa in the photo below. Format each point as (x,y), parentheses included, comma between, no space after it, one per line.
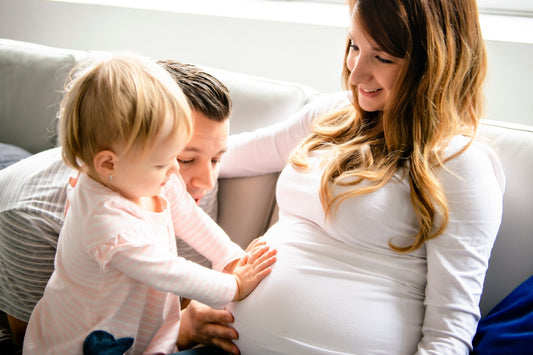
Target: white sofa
(31,78)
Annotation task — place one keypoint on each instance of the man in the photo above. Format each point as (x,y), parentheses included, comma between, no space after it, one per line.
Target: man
(34,196)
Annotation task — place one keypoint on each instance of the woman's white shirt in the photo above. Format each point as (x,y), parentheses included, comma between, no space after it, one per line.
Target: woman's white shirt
(338,288)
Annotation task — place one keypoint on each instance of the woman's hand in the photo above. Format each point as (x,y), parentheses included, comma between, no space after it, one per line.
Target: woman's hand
(252,268)
(201,324)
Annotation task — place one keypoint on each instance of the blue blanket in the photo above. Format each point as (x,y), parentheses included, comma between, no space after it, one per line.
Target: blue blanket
(508,328)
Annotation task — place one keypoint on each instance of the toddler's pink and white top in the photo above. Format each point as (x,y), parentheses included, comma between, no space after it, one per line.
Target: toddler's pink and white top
(117,269)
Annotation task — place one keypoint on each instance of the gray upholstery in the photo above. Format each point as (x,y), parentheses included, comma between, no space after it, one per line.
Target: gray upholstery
(10,154)
(31,80)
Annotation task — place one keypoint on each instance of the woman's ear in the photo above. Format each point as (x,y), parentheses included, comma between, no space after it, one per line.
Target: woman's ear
(105,163)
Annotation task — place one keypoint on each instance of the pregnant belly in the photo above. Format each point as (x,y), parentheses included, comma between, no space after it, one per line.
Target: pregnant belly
(324,297)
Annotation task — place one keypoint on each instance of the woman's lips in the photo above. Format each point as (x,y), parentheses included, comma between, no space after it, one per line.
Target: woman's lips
(369,92)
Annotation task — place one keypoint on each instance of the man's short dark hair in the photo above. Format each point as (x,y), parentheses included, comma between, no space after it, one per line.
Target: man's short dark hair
(206,94)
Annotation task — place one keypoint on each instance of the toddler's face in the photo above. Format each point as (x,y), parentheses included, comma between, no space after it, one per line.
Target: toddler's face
(139,175)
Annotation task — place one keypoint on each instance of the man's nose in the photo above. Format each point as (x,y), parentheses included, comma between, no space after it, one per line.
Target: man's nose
(205,177)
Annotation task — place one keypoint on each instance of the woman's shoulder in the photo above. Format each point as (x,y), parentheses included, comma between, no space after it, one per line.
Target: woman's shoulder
(476,161)
(330,102)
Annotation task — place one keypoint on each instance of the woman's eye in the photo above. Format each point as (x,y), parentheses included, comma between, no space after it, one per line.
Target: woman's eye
(185,161)
(353,46)
(383,60)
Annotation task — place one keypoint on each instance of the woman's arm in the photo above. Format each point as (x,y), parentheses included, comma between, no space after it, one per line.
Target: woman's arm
(458,259)
(267,150)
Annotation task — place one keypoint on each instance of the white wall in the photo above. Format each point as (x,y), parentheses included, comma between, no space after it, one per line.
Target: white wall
(308,54)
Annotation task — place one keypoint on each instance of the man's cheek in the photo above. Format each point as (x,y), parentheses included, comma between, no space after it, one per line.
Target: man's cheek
(216,171)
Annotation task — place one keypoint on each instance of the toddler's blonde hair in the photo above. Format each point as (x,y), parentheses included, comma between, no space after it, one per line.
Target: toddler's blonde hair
(118,101)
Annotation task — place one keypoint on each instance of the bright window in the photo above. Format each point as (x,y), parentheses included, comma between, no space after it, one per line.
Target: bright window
(502,7)
(507,7)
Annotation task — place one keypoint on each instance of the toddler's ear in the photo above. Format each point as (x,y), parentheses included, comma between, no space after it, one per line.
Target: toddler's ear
(105,162)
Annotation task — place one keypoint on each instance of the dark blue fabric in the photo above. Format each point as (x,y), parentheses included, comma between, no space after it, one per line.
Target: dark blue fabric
(101,342)
(508,327)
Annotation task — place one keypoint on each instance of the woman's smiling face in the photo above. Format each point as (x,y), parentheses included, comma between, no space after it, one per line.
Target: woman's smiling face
(372,70)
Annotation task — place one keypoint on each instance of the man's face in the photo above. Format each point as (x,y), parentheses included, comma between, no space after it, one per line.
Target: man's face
(200,159)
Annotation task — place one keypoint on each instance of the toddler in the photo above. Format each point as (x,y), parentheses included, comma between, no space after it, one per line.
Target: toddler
(123,121)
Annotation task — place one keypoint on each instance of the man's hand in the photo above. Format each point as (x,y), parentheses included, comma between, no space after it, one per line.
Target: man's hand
(201,324)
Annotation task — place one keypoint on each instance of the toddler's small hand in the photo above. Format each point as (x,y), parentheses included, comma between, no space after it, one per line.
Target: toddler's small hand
(256,243)
(253,267)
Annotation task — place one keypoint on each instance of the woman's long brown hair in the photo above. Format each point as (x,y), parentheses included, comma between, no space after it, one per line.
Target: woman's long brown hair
(438,95)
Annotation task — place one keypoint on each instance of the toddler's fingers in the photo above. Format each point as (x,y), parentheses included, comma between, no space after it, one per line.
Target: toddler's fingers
(266,260)
(256,253)
(255,244)
(244,259)
(265,255)
(262,274)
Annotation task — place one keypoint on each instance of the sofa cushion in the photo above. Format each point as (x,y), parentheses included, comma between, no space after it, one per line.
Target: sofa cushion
(10,154)
(31,82)
(246,205)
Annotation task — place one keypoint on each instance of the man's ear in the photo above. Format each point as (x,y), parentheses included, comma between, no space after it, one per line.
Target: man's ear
(105,163)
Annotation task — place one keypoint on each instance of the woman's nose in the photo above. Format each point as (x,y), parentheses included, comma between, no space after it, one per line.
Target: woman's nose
(360,71)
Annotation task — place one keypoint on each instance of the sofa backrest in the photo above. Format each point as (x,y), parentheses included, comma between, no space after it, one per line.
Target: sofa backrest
(32,78)
(259,102)
(31,83)
(511,261)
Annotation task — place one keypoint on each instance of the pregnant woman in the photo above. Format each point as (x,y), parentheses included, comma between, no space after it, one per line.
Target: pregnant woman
(390,208)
